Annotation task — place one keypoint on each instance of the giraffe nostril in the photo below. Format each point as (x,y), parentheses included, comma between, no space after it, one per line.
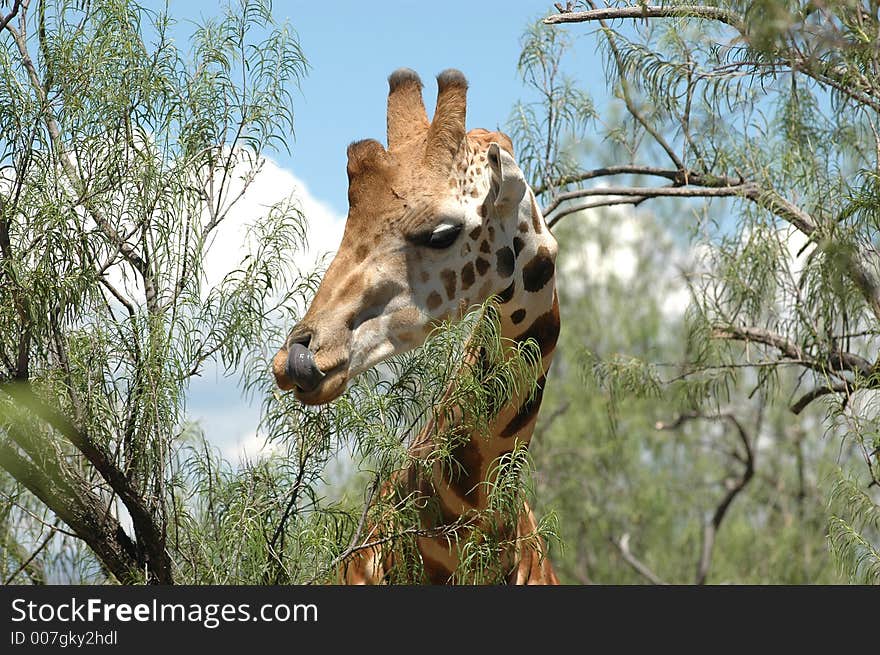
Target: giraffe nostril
(301,367)
(303,338)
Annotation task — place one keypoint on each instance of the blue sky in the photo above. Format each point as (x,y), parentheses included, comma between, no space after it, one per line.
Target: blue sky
(352,46)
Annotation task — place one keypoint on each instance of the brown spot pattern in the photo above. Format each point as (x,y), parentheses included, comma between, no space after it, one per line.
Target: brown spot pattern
(507,294)
(539,270)
(467,276)
(482,266)
(465,471)
(518,316)
(544,330)
(434,300)
(449,278)
(527,411)
(504,261)
(438,573)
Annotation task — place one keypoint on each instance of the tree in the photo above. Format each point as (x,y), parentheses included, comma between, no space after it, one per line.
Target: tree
(773,109)
(119,159)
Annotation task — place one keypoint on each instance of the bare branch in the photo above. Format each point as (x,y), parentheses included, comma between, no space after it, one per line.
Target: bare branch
(27,565)
(670,174)
(611,202)
(652,192)
(83,511)
(801,404)
(710,530)
(831,363)
(623,546)
(8,17)
(684,11)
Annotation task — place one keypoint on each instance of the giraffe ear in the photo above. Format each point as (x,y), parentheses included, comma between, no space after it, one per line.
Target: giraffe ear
(508,184)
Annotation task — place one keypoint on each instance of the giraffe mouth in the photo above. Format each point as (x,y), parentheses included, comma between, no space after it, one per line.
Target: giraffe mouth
(329,388)
(314,387)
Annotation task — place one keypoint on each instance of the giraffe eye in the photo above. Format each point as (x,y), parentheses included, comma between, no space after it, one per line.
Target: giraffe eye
(443,236)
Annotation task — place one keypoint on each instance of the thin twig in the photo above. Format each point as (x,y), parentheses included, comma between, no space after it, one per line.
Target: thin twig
(710,530)
(623,547)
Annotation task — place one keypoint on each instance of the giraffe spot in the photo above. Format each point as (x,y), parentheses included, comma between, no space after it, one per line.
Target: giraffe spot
(406,337)
(475,233)
(466,248)
(482,266)
(467,276)
(518,316)
(474,193)
(481,211)
(523,226)
(361,252)
(507,294)
(453,183)
(478,170)
(434,300)
(544,330)
(538,272)
(448,277)
(425,276)
(504,261)
(436,571)
(464,473)
(518,245)
(526,411)
(485,247)
(491,233)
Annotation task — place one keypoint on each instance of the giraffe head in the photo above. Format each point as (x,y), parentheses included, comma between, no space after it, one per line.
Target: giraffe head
(437,222)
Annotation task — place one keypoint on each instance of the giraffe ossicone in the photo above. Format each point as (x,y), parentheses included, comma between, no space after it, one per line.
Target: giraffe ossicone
(439,221)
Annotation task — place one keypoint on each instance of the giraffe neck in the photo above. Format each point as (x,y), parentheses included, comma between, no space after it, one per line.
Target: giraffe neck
(529,311)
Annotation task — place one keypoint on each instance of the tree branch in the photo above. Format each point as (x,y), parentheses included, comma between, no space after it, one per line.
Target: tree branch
(831,363)
(837,77)
(611,202)
(5,20)
(630,105)
(83,511)
(151,536)
(652,192)
(801,404)
(684,11)
(623,547)
(710,530)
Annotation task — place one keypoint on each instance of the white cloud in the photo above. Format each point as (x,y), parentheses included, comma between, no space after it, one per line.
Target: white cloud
(614,254)
(270,186)
(248,447)
(612,243)
(214,399)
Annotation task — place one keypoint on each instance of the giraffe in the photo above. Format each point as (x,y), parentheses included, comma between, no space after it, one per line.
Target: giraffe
(439,221)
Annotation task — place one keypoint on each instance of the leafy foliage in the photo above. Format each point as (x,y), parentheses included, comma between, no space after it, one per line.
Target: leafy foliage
(773,108)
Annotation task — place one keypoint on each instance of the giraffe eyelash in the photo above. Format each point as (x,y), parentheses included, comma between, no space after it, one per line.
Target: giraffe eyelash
(439,238)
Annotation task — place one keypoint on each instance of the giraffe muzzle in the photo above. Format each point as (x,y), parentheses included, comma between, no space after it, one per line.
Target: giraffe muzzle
(301,368)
